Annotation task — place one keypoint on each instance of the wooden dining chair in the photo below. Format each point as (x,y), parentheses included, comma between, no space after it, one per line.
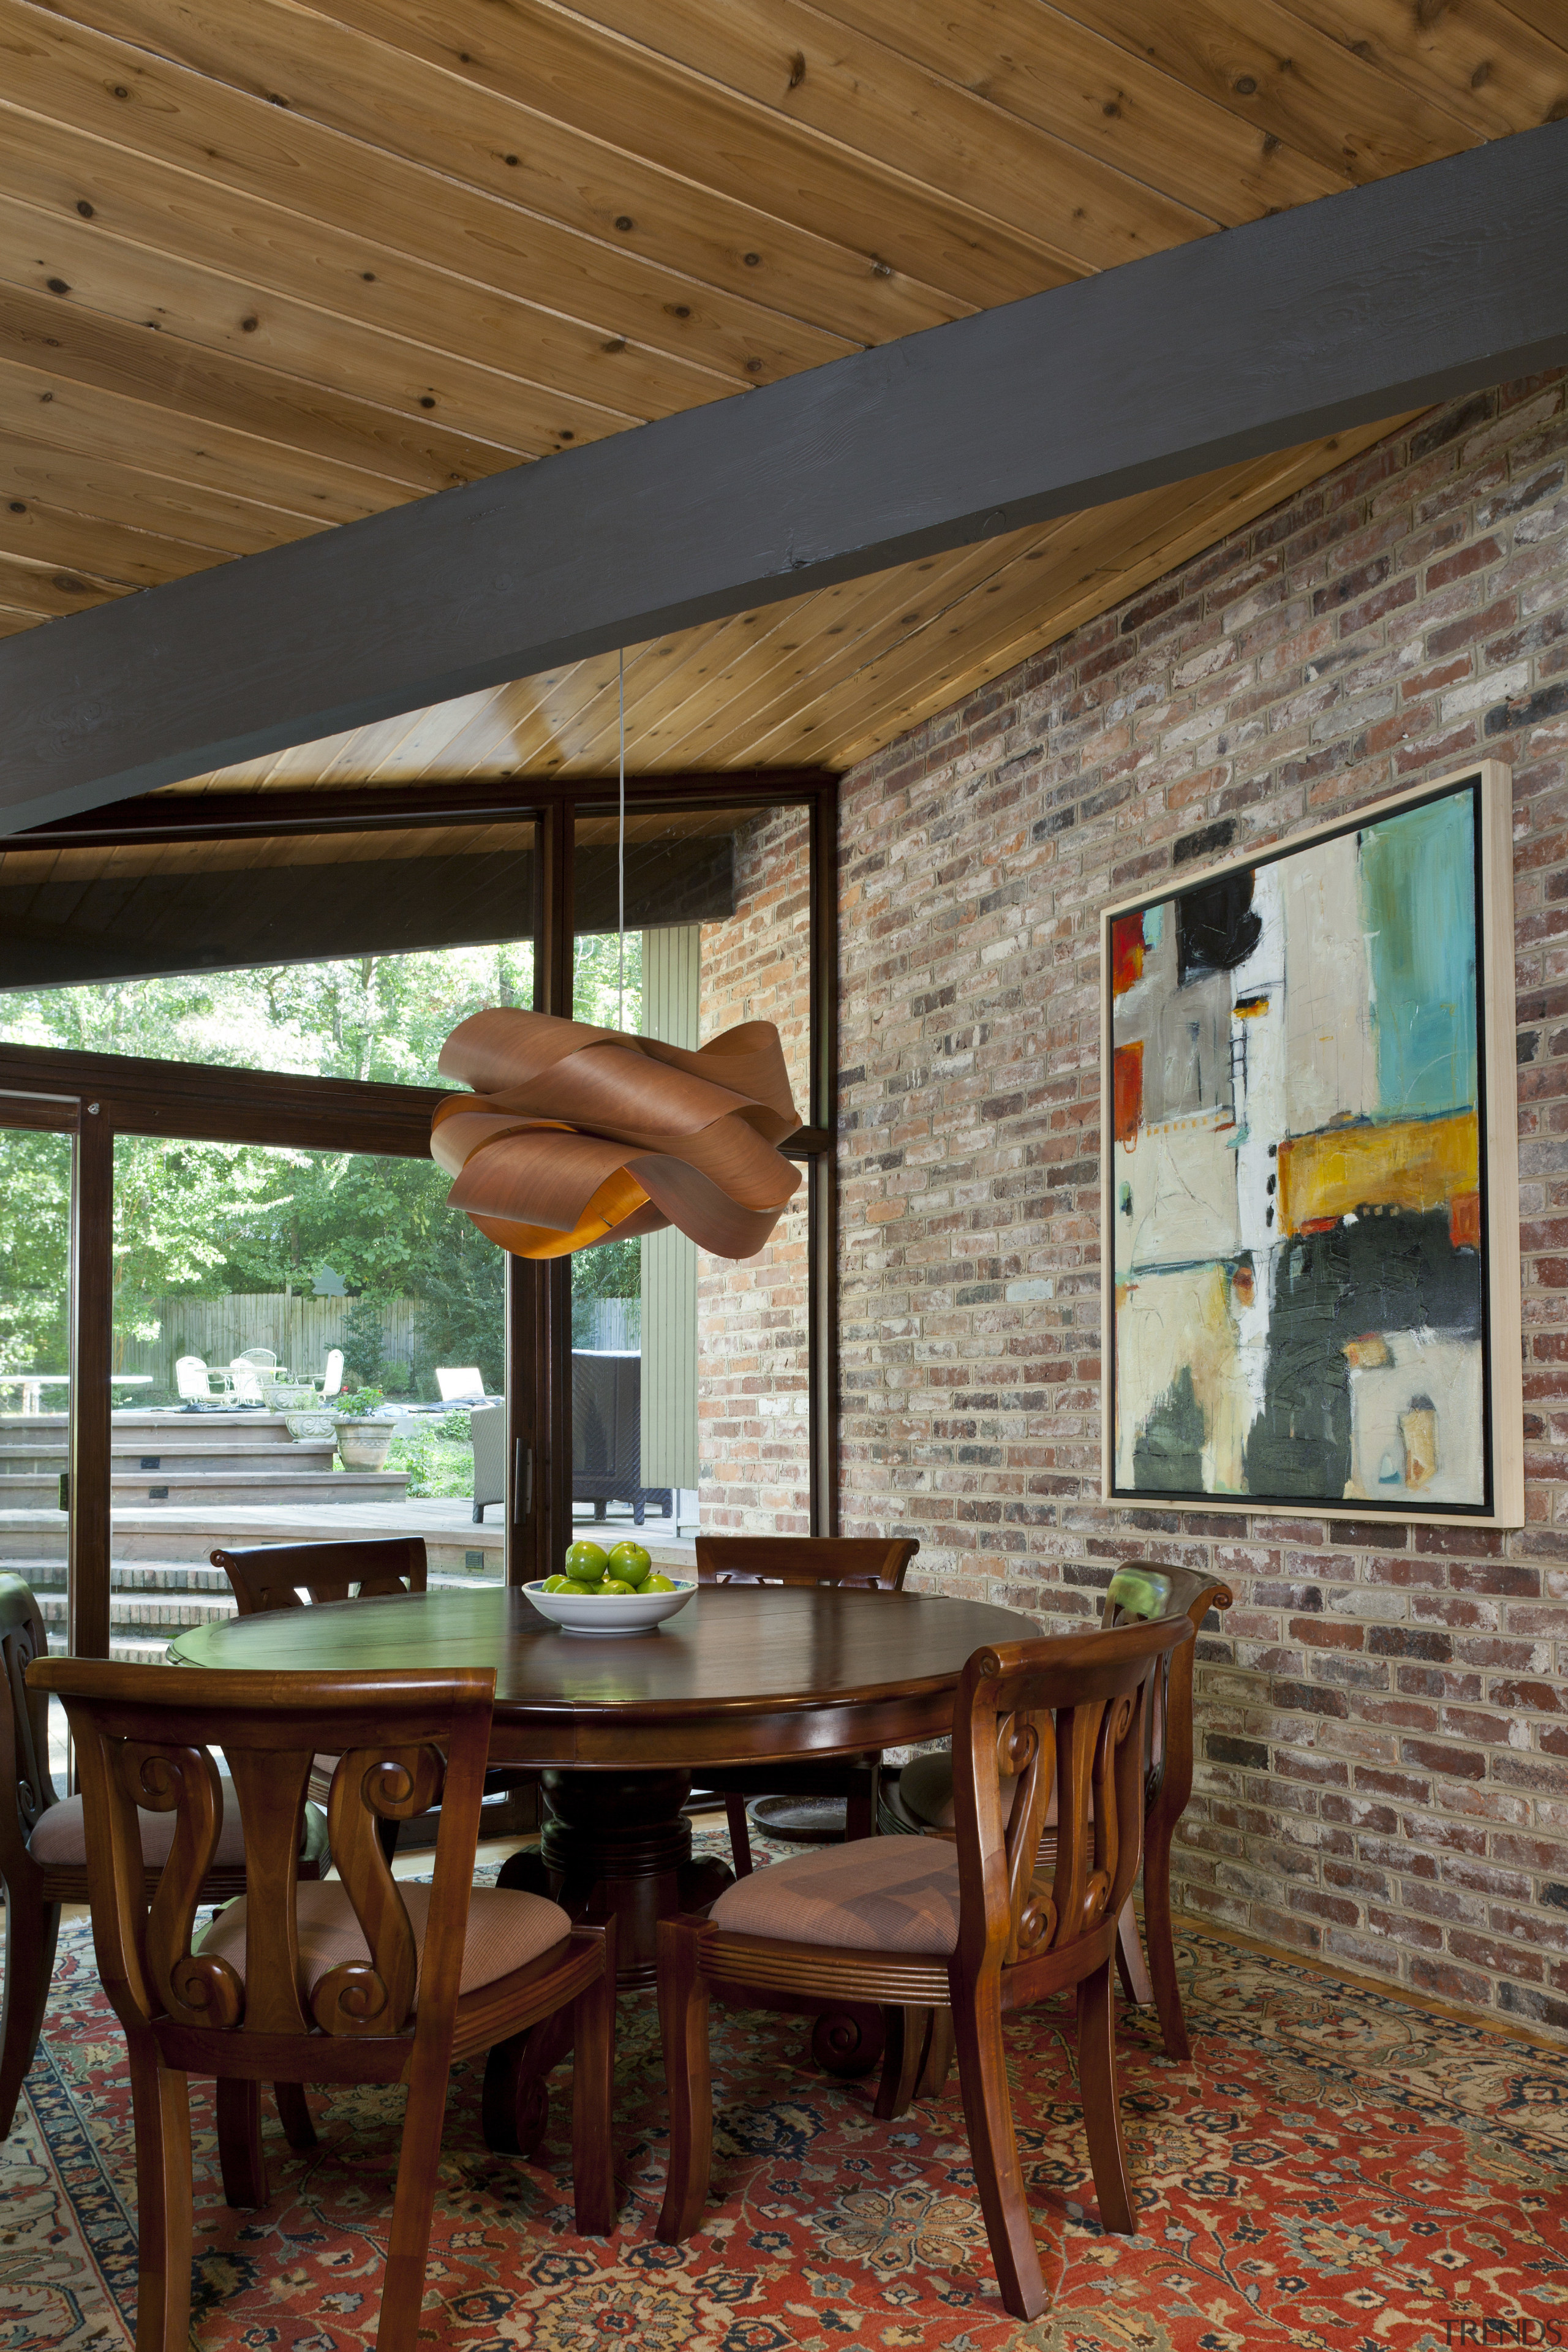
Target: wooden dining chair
(928,1929)
(874,1562)
(358,1980)
(43,1843)
(922,1801)
(268,1576)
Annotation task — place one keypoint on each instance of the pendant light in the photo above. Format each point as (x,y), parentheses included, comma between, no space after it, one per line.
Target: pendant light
(572,1134)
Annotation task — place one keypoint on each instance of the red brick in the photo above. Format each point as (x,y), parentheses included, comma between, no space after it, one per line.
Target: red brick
(974,1420)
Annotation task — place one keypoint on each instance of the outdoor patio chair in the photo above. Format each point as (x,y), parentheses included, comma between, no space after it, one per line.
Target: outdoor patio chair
(967,1932)
(363,1979)
(43,1843)
(246,1377)
(487,1426)
(864,1560)
(194,1381)
(922,1799)
(332,1379)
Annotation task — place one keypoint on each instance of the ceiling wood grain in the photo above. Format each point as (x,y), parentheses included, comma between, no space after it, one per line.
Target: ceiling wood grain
(267,267)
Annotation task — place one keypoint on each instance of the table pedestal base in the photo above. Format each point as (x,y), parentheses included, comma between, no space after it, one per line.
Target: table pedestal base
(616,1845)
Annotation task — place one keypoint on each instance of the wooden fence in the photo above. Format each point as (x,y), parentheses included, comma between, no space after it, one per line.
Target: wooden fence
(299,1331)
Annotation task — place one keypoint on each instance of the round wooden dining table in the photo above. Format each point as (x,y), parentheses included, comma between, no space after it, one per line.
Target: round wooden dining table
(745,1674)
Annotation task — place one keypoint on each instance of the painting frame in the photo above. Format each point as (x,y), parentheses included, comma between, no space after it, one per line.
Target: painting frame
(1500,1504)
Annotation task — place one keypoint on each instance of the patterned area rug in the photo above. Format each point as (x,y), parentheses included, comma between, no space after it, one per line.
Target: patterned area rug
(1336,2171)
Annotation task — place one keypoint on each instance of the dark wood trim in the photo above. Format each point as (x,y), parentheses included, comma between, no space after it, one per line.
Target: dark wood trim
(1360,306)
(822,1175)
(91,1356)
(42,1114)
(367,808)
(539,1294)
(822,1341)
(218,1105)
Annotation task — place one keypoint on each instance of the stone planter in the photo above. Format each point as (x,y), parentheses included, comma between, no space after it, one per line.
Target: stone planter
(287,1396)
(363,1445)
(320,1422)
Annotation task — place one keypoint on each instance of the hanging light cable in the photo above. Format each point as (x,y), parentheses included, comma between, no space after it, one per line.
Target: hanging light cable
(621,849)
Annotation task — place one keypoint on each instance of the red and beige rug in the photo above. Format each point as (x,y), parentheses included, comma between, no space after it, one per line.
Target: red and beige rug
(1336,2170)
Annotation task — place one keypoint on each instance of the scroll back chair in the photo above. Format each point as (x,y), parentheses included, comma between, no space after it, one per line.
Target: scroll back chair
(363,1980)
(878,1563)
(42,1844)
(923,1798)
(926,1929)
(268,1576)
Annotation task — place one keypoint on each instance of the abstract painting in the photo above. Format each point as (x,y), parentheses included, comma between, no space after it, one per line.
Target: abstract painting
(1312,1204)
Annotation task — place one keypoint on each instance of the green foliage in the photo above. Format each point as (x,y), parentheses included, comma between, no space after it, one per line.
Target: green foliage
(34,1242)
(596,993)
(439,1459)
(210,1220)
(364,1344)
(462,1294)
(359,1403)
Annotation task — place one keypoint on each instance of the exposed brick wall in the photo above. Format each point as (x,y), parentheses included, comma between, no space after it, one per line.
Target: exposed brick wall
(1383,1722)
(751,1393)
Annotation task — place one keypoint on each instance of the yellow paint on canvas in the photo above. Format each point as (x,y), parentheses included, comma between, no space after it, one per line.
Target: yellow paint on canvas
(1403,1163)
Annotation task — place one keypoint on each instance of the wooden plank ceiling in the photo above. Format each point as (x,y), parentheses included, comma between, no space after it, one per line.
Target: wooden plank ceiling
(265,268)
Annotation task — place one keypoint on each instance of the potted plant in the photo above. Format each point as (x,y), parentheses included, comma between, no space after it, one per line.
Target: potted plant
(364,1437)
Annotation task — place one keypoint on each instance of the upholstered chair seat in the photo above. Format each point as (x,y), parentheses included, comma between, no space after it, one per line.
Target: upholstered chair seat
(59,1841)
(505,1931)
(879,1894)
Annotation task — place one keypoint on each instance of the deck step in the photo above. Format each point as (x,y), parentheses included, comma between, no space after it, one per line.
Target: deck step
(185,1457)
(219,1489)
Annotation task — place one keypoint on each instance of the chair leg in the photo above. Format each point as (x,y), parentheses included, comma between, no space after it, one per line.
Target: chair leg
(408,2245)
(1157,1936)
(683,2028)
(1130,1963)
(161,2107)
(240,2160)
(32,1929)
(861,1806)
(994,2149)
(938,2056)
(1101,2115)
(908,2033)
(593,2087)
(295,2116)
(740,1835)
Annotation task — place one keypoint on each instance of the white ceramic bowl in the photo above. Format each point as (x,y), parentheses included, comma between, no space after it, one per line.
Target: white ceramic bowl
(607,1614)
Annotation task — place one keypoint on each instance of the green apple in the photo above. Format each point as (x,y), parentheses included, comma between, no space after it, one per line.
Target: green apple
(630,1561)
(659,1584)
(556,1584)
(617,1584)
(586,1563)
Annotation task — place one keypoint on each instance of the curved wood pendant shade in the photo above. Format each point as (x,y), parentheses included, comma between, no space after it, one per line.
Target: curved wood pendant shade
(573,1135)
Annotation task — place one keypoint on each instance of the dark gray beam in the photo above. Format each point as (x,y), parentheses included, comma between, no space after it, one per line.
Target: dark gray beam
(1337,313)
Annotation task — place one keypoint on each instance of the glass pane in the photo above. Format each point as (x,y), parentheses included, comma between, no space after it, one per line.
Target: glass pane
(218,952)
(35,1380)
(690,1372)
(319,1342)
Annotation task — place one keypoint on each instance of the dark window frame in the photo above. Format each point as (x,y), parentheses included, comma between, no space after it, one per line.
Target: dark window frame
(98,1097)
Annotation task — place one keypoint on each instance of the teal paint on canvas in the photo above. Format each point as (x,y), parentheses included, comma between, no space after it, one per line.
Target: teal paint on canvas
(1418,910)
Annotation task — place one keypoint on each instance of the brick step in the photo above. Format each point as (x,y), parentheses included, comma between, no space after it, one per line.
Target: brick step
(156,1611)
